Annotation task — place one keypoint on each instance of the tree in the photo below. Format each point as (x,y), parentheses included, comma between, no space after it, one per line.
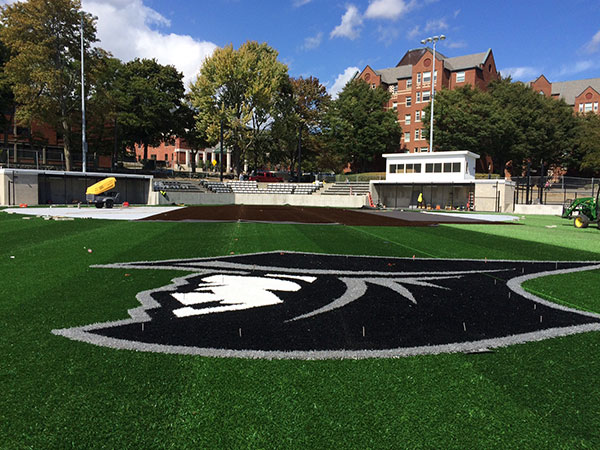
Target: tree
(239,88)
(150,96)
(509,122)
(586,153)
(195,138)
(299,117)
(358,127)
(468,119)
(44,68)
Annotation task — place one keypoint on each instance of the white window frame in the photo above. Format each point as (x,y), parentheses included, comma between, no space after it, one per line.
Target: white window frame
(588,107)
(407,119)
(409,83)
(408,101)
(460,77)
(581,107)
(426,77)
(417,116)
(417,131)
(395,106)
(407,136)
(595,106)
(426,96)
(419,78)
(418,97)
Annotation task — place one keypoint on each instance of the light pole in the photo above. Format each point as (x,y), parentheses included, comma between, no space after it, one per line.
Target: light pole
(433,39)
(83,138)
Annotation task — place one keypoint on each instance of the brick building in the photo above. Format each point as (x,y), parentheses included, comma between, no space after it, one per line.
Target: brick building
(582,95)
(410,85)
(178,155)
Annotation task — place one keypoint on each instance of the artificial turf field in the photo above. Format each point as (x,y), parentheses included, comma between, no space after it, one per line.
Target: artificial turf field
(59,393)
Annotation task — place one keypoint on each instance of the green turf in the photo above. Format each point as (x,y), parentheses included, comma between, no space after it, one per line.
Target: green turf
(58,393)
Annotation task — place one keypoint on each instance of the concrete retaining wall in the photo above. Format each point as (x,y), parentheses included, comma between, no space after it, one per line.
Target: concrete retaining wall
(550,210)
(195,198)
(494,196)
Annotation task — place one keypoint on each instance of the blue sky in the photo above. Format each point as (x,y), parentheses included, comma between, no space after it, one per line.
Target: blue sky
(331,39)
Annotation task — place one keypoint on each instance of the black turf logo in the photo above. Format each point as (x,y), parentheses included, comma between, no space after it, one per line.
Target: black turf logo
(299,305)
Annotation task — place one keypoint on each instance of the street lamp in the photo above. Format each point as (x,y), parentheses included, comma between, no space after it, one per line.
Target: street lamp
(83,138)
(433,39)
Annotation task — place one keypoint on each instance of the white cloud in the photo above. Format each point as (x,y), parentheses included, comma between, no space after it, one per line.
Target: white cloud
(456,44)
(129,29)
(594,45)
(312,42)
(298,3)
(351,22)
(578,67)
(386,9)
(431,27)
(520,73)
(341,80)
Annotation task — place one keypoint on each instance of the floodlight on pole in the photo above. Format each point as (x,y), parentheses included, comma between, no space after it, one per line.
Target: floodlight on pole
(434,40)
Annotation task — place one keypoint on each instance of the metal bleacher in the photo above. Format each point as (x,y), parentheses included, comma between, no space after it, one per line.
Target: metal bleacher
(252,187)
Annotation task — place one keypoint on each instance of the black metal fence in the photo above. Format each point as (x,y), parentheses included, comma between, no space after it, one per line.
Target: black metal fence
(553,190)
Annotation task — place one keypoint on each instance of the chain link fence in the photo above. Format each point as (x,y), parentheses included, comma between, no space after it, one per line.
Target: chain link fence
(553,190)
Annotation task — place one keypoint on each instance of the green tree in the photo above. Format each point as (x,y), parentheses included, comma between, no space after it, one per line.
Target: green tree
(239,88)
(149,98)
(509,122)
(358,127)
(300,114)
(44,68)
(586,149)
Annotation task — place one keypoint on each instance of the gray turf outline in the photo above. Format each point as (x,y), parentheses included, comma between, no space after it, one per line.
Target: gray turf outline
(139,315)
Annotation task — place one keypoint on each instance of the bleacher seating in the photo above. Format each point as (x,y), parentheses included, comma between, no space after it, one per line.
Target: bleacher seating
(348,188)
(174,185)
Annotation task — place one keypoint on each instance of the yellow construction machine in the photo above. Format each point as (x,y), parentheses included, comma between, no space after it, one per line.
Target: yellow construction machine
(101,193)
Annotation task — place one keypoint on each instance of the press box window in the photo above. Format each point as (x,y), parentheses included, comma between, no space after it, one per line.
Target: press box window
(413,168)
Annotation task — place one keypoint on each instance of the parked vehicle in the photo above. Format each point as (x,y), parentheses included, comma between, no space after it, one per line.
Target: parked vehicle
(265,177)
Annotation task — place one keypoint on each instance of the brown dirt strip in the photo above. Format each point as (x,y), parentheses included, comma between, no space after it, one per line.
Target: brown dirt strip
(305,215)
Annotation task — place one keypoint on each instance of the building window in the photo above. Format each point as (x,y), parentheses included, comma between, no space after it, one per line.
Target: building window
(424,149)
(426,77)
(408,101)
(418,97)
(417,131)
(435,77)
(406,136)
(395,106)
(595,106)
(422,135)
(407,119)
(588,107)
(448,167)
(426,96)
(396,168)
(417,116)
(395,89)
(460,77)
(408,83)
(166,156)
(419,78)
(373,86)
(581,107)
(456,167)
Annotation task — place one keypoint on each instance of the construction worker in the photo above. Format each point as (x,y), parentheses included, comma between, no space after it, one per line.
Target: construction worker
(420,200)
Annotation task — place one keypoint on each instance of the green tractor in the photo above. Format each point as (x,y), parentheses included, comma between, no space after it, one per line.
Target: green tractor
(587,209)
